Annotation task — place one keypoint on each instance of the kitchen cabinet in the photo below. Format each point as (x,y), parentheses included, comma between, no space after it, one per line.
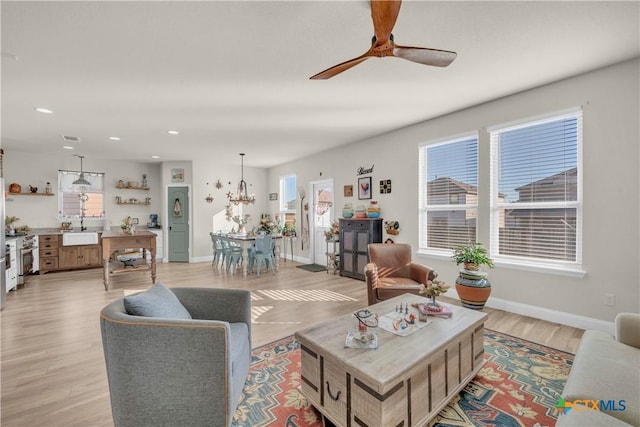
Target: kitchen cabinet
(55,256)
(11,273)
(355,236)
(70,257)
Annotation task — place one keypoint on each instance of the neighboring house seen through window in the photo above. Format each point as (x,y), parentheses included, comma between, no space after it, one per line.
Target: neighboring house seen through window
(76,201)
(287,200)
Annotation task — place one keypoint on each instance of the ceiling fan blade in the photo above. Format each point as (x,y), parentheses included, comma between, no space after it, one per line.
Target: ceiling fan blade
(421,55)
(384,15)
(337,69)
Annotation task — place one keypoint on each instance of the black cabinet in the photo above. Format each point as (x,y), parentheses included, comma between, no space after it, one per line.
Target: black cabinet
(355,236)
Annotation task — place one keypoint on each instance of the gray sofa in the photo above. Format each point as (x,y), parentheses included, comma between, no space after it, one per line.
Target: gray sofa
(164,371)
(606,370)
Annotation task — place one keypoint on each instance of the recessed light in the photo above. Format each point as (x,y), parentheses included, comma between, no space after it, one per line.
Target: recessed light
(173,132)
(155,157)
(114,138)
(43,110)
(67,147)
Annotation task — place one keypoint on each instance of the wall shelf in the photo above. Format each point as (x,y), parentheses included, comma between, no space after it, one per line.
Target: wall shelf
(126,187)
(30,194)
(133,203)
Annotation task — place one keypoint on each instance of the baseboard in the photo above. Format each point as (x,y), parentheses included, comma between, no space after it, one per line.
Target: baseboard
(561,317)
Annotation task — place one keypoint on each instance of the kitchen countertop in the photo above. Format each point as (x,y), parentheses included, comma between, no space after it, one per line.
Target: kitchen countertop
(38,231)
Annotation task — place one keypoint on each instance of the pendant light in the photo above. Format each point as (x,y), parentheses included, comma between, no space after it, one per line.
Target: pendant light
(241,195)
(81,180)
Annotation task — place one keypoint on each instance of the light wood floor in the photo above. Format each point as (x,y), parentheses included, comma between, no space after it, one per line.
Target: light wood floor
(52,364)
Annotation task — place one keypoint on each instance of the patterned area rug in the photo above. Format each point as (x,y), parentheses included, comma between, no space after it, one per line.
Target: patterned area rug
(519,385)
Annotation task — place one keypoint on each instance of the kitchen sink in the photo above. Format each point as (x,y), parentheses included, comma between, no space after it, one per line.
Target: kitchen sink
(81,238)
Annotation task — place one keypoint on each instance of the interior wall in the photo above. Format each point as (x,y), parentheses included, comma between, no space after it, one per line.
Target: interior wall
(611,233)
(41,212)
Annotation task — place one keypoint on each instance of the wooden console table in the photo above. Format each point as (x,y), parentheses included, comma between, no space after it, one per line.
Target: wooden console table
(117,240)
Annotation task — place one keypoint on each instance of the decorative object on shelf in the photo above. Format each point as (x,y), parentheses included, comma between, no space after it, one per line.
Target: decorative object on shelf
(15,188)
(8,224)
(348,191)
(177,175)
(121,184)
(472,285)
(48,189)
(209,199)
(333,233)
(373,211)
(432,289)
(361,212)
(219,184)
(241,195)
(347,210)
(241,221)
(392,227)
(33,189)
(364,188)
(385,186)
(81,179)
(128,225)
(144,181)
(147,200)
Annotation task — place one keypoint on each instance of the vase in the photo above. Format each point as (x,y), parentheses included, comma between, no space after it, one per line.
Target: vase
(433,304)
(473,289)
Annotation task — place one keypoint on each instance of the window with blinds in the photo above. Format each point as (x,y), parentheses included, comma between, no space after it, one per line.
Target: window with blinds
(536,191)
(76,201)
(288,197)
(448,194)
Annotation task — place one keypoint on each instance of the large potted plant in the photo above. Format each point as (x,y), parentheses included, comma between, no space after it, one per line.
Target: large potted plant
(472,285)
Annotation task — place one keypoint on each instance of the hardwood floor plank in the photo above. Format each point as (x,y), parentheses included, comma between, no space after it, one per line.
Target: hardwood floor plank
(52,363)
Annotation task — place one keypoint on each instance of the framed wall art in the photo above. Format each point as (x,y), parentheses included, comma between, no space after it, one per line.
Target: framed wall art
(273,196)
(348,191)
(364,188)
(177,175)
(385,186)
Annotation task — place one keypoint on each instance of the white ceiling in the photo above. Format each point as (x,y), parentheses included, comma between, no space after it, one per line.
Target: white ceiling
(234,76)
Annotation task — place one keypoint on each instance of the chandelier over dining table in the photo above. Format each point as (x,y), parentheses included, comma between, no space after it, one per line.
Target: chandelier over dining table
(241,195)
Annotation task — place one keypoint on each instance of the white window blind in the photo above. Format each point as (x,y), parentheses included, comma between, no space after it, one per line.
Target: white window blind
(448,194)
(536,191)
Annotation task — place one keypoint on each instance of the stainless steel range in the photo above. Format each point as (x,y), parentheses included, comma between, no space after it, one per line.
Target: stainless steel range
(27,250)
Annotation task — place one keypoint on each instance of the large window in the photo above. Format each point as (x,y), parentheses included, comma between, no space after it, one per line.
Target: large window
(536,192)
(448,194)
(288,201)
(76,201)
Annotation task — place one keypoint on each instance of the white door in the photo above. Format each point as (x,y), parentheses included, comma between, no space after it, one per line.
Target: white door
(322,214)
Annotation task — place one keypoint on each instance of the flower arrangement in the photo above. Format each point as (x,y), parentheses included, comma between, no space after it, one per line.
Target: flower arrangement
(240,220)
(289,229)
(270,226)
(472,256)
(333,231)
(8,222)
(434,288)
(127,225)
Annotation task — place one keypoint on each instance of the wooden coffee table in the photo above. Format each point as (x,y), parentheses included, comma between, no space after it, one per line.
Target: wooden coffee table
(406,381)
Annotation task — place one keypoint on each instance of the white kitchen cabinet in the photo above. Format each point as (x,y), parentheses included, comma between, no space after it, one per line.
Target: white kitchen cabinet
(11,274)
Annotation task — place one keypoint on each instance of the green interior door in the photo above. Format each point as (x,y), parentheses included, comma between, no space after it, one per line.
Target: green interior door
(178,226)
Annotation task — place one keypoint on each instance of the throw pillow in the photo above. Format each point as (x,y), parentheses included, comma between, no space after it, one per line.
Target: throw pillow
(157,301)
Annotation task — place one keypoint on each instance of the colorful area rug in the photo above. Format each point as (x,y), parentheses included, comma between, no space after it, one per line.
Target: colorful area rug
(519,385)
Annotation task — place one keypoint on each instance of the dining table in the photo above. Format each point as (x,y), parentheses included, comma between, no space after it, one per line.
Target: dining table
(246,241)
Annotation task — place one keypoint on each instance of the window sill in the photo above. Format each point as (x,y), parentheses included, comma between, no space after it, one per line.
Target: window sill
(560,270)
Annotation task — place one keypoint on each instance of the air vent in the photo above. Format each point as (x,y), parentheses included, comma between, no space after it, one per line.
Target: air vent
(67,138)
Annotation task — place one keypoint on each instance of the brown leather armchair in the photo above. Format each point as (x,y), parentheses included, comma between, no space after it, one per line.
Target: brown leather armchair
(391,272)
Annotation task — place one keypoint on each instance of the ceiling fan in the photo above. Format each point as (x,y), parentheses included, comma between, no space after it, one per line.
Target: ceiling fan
(384,14)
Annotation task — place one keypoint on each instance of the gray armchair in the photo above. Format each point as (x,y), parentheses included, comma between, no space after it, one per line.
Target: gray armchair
(177,372)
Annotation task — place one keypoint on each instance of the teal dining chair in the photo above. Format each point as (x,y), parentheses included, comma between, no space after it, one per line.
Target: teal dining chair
(263,252)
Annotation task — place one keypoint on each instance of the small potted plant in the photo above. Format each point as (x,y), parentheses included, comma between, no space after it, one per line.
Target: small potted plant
(472,256)
(472,285)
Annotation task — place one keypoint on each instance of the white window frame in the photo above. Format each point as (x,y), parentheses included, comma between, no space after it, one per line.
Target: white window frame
(64,188)
(424,208)
(529,263)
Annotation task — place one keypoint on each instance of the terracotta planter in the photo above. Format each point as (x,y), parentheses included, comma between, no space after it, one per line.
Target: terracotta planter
(473,293)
